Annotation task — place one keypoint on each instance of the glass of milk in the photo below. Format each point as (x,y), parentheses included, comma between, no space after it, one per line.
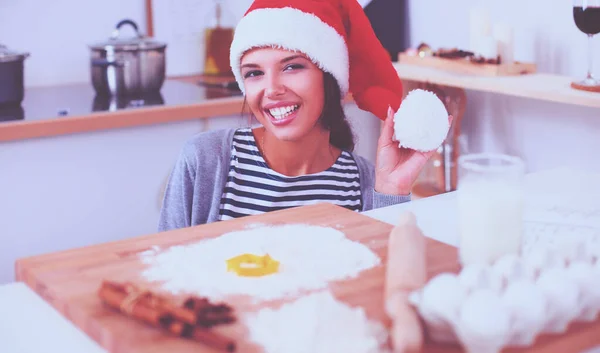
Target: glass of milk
(490,206)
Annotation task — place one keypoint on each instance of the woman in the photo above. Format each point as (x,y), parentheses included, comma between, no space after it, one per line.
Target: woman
(295,60)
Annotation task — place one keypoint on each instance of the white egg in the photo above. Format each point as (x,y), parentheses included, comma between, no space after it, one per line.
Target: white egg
(570,249)
(527,306)
(592,250)
(441,300)
(584,274)
(562,295)
(540,259)
(479,276)
(510,268)
(484,322)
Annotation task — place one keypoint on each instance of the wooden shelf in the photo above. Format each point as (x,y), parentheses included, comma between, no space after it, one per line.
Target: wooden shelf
(547,87)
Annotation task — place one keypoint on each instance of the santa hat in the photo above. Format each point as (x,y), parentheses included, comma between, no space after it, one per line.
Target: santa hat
(336,35)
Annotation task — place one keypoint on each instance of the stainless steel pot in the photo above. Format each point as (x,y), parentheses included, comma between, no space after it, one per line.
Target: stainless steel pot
(12,88)
(128,67)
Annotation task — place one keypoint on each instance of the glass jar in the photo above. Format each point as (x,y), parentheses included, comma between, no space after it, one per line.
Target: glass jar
(218,36)
(490,202)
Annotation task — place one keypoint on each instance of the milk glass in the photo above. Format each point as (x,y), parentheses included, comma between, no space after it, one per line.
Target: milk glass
(490,206)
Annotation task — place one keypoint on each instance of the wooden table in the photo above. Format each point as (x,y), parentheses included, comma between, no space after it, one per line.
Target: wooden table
(68,280)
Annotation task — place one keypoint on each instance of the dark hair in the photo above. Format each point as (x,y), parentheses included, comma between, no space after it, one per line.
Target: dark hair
(333,117)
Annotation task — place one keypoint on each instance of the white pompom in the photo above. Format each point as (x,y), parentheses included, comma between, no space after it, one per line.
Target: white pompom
(562,294)
(484,322)
(527,305)
(421,123)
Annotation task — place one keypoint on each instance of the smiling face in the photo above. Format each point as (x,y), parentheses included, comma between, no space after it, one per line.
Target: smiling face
(285,92)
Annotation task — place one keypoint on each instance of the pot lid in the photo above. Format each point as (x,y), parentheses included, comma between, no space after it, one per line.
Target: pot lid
(7,55)
(138,42)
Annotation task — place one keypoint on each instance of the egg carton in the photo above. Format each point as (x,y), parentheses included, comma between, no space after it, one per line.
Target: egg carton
(486,308)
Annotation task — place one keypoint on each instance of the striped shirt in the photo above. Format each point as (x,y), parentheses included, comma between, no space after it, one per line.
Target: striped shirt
(252,187)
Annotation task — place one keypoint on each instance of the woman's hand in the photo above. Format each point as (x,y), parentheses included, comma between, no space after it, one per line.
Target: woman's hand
(396,167)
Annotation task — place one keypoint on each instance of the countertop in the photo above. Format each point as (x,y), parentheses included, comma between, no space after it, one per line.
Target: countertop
(69,109)
(539,86)
(436,215)
(59,102)
(30,325)
(58,110)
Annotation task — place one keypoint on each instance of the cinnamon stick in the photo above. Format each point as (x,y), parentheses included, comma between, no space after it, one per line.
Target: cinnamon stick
(114,297)
(196,304)
(179,313)
(209,319)
(207,314)
(160,303)
(157,312)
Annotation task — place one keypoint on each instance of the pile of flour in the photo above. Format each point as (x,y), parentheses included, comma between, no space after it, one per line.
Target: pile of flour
(316,323)
(309,256)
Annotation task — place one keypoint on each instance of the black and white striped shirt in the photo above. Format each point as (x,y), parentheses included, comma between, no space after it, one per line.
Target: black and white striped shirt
(253,188)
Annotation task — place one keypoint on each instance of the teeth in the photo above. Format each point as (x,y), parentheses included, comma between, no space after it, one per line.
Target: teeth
(282,112)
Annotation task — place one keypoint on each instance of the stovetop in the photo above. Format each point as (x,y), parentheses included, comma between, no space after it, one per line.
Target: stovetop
(59,102)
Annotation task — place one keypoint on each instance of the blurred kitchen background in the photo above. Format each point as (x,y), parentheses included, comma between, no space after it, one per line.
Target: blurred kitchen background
(100,186)
(545,134)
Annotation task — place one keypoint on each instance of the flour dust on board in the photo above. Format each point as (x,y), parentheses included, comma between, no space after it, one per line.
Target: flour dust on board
(308,258)
(316,323)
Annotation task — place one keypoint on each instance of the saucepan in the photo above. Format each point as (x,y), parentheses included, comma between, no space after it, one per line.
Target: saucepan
(12,89)
(127,66)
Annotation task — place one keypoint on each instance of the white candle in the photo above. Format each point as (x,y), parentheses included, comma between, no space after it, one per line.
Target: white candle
(479,26)
(488,47)
(505,38)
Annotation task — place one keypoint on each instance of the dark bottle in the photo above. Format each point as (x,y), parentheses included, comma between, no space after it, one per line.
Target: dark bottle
(217,40)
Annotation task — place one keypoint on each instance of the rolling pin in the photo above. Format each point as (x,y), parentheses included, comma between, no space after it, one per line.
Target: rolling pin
(406,272)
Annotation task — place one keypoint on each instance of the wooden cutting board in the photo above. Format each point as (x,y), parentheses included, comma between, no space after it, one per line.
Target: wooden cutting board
(68,280)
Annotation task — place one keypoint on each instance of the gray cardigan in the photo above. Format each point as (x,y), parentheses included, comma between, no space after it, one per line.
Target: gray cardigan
(193,192)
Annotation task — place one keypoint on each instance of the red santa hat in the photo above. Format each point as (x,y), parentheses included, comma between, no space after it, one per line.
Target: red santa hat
(336,35)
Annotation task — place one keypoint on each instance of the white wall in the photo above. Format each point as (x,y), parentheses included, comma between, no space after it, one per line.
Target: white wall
(59,47)
(545,134)
(59,52)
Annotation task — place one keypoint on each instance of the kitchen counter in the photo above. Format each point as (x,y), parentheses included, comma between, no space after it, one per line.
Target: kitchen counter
(436,215)
(73,108)
(538,86)
(30,325)
(68,109)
